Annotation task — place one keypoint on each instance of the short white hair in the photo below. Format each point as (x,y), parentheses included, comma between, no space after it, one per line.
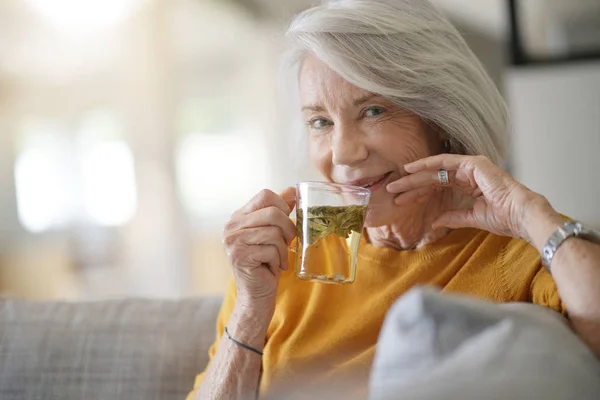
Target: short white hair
(408,52)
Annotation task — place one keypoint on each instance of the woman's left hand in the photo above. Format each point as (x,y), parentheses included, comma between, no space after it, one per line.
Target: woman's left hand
(500,202)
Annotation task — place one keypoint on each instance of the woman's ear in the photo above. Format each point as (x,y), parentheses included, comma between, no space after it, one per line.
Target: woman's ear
(440,135)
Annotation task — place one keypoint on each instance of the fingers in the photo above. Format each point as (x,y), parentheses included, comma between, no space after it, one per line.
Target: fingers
(265,217)
(419,195)
(289,196)
(451,162)
(248,257)
(266,198)
(463,174)
(467,218)
(265,255)
(264,236)
(416,180)
(259,232)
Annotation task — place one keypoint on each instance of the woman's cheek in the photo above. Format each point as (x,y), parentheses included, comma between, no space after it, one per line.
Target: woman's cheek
(319,150)
(406,139)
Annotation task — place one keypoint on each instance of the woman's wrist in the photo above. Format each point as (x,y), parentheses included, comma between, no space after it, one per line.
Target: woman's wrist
(540,220)
(256,310)
(257,307)
(250,321)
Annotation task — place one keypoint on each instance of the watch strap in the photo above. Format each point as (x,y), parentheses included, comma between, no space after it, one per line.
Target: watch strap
(567,230)
(558,237)
(590,234)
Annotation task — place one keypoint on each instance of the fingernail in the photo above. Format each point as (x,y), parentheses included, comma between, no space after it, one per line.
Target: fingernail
(394,188)
(408,167)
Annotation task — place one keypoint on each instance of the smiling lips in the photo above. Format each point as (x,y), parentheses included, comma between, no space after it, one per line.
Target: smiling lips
(372,183)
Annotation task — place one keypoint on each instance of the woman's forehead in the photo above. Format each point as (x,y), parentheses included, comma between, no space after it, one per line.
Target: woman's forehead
(319,83)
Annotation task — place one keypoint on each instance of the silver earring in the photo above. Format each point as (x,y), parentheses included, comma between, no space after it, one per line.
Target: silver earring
(447,146)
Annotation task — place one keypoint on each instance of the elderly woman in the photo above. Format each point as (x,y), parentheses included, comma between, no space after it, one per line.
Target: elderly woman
(393,100)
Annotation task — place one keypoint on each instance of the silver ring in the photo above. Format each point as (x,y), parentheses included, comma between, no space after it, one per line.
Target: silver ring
(443,177)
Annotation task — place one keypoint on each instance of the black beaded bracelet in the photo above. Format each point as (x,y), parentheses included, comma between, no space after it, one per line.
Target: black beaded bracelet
(260,353)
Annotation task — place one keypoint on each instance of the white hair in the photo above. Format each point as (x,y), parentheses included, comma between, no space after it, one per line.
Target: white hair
(408,52)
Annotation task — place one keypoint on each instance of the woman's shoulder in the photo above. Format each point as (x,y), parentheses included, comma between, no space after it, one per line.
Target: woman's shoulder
(477,247)
(481,240)
(505,250)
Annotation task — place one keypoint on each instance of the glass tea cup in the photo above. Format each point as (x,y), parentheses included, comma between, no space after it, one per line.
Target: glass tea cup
(329,223)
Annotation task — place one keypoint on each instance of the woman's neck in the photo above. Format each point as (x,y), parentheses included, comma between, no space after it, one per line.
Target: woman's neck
(411,228)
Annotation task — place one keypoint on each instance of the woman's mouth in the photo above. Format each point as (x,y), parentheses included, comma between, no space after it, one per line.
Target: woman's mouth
(377,183)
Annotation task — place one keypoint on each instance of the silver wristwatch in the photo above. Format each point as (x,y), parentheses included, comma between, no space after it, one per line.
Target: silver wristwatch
(569,229)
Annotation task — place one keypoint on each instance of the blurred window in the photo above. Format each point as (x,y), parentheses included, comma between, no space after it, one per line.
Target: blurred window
(61,181)
(44,178)
(108,186)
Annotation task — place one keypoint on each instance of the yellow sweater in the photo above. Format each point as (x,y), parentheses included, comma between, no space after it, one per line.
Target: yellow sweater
(324,336)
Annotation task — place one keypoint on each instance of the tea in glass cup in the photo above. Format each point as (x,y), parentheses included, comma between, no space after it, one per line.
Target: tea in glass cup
(329,222)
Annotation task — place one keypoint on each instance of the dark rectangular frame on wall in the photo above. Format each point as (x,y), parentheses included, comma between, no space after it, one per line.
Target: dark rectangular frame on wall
(518,52)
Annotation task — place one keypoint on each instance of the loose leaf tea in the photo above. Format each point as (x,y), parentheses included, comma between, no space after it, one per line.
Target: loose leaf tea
(323,221)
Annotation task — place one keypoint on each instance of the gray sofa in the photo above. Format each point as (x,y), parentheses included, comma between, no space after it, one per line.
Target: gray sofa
(432,346)
(115,349)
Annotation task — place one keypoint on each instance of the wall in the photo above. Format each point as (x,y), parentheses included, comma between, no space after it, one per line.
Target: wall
(556,142)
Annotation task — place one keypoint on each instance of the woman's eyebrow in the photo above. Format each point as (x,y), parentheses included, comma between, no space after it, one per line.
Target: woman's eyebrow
(364,99)
(313,107)
(355,103)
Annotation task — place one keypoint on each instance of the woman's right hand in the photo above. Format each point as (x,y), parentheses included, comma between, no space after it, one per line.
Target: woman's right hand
(256,240)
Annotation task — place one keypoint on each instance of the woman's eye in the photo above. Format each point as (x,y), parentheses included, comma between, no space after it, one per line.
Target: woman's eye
(374,111)
(318,123)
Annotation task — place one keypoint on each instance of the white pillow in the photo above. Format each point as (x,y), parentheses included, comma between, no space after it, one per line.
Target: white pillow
(448,346)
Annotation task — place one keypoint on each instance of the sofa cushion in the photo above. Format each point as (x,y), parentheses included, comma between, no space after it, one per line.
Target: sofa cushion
(116,349)
(447,346)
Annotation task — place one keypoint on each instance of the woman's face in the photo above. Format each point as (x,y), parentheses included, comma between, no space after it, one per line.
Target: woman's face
(357,137)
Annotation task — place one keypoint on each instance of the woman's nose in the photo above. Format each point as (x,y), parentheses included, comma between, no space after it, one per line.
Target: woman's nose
(347,147)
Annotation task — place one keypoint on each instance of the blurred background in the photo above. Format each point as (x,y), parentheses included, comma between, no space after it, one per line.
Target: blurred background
(131,129)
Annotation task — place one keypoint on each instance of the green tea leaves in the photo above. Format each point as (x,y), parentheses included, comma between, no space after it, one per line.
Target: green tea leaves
(322,221)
